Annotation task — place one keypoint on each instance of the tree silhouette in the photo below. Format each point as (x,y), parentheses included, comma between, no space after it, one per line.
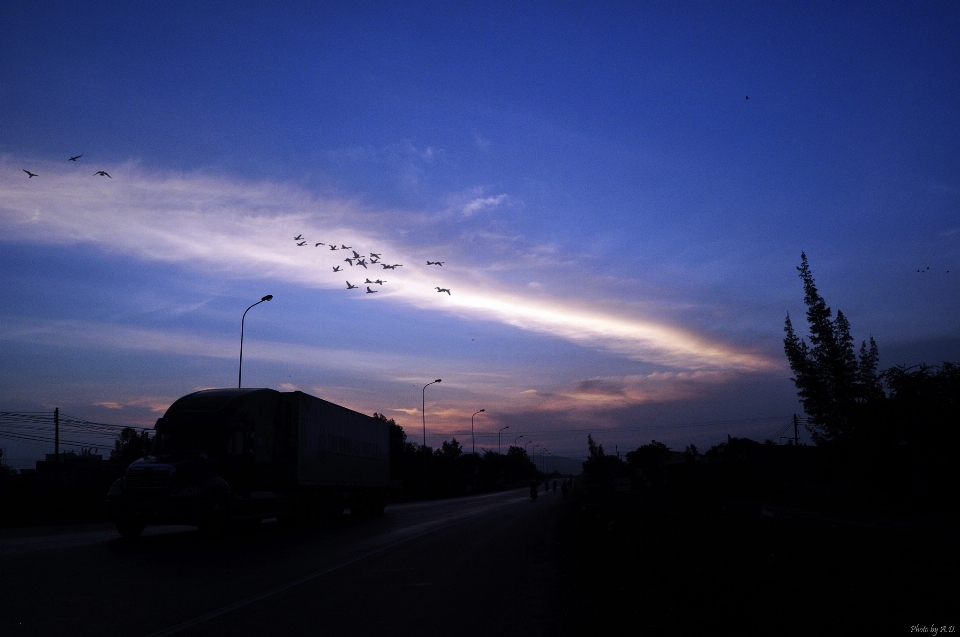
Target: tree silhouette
(130,445)
(834,385)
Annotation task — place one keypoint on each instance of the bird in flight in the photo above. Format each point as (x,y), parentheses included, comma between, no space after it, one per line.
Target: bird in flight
(368,281)
(336,268)
(102,173)
(298,237)
(369,291)
(30,175)
(76,157)
(333,247)
(343,247)
(349,260)
(351,287)
(372,260)
(435,263)
(374,254)
(301,243)
(317,245)
(444,290)
(363,263)
(356,255)
(379,282)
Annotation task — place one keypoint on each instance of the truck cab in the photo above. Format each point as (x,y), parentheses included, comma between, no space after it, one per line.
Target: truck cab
(213,459)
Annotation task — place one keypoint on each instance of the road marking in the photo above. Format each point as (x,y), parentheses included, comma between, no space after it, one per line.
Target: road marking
(196,621)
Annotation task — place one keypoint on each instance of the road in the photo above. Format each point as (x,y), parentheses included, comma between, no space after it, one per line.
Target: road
(472,566)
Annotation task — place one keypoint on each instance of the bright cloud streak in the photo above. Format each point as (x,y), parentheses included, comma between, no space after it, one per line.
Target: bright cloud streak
(247,229)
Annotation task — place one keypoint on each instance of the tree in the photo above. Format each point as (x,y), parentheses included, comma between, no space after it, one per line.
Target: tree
(837,389)
(398,446)
(598,463)
(130,445)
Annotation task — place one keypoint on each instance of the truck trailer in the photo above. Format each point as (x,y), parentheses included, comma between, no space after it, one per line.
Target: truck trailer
(225,456)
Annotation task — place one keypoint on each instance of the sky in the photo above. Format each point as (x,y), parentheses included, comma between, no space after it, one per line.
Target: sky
(619,194)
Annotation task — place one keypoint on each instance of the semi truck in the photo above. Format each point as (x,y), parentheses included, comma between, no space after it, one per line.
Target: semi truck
(223,457)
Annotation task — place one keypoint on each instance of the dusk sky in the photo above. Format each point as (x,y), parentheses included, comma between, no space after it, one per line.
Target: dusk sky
(619,194)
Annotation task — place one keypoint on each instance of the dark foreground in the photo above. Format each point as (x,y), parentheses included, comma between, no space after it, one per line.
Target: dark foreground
(494,565)
(744,569)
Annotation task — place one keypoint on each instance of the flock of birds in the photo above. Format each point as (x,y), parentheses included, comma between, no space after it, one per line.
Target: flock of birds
(364,261)
(99,173)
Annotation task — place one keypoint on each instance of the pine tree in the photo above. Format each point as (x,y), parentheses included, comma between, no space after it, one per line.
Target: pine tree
(837,389)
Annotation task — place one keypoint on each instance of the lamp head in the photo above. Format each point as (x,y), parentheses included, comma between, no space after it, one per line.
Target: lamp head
(481,410)
(267,297)
(437,381)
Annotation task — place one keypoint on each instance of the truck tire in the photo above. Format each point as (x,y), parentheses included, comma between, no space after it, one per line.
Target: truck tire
(218,518)
(130,527)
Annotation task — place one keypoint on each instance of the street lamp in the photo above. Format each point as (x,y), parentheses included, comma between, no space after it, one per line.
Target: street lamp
(240,373)
(498,438)
(473,441)
(516,439)
(423,407)
(529,442)
(423,411)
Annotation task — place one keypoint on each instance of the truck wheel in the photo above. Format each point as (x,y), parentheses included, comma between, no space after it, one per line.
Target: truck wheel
(130,527)
(217,520)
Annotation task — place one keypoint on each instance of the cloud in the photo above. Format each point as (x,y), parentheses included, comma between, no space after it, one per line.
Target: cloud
(245,229)
(476,205)
(615,392)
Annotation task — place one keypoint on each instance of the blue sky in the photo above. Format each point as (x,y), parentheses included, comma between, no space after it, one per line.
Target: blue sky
(619,225)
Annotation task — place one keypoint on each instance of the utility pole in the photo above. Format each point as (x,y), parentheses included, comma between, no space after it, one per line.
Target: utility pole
(56,449)
(796,431)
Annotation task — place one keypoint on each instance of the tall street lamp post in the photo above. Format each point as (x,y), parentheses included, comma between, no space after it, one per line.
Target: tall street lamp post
(423,411)
(516,439)
(242,319)
(498,438)
(473,441)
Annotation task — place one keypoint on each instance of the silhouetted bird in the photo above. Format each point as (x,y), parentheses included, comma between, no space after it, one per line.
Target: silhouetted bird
(444,290)
(333,247)
(343,247)
(102,173)
(374,254)
(336,268)
(363,263)
(368,281)
(317,245)
(298,237)
(351,287)
(372,260)
(301,243)
(349,260)
(435,263)
(76,157)
(30,175)
(369,291)
(356,255)
(747,96)
(379,282)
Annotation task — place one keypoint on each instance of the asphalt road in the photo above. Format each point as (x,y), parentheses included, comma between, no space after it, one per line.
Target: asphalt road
(474,566)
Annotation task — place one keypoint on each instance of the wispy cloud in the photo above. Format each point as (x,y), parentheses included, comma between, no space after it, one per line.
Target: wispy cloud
(246,230)
(476,205)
